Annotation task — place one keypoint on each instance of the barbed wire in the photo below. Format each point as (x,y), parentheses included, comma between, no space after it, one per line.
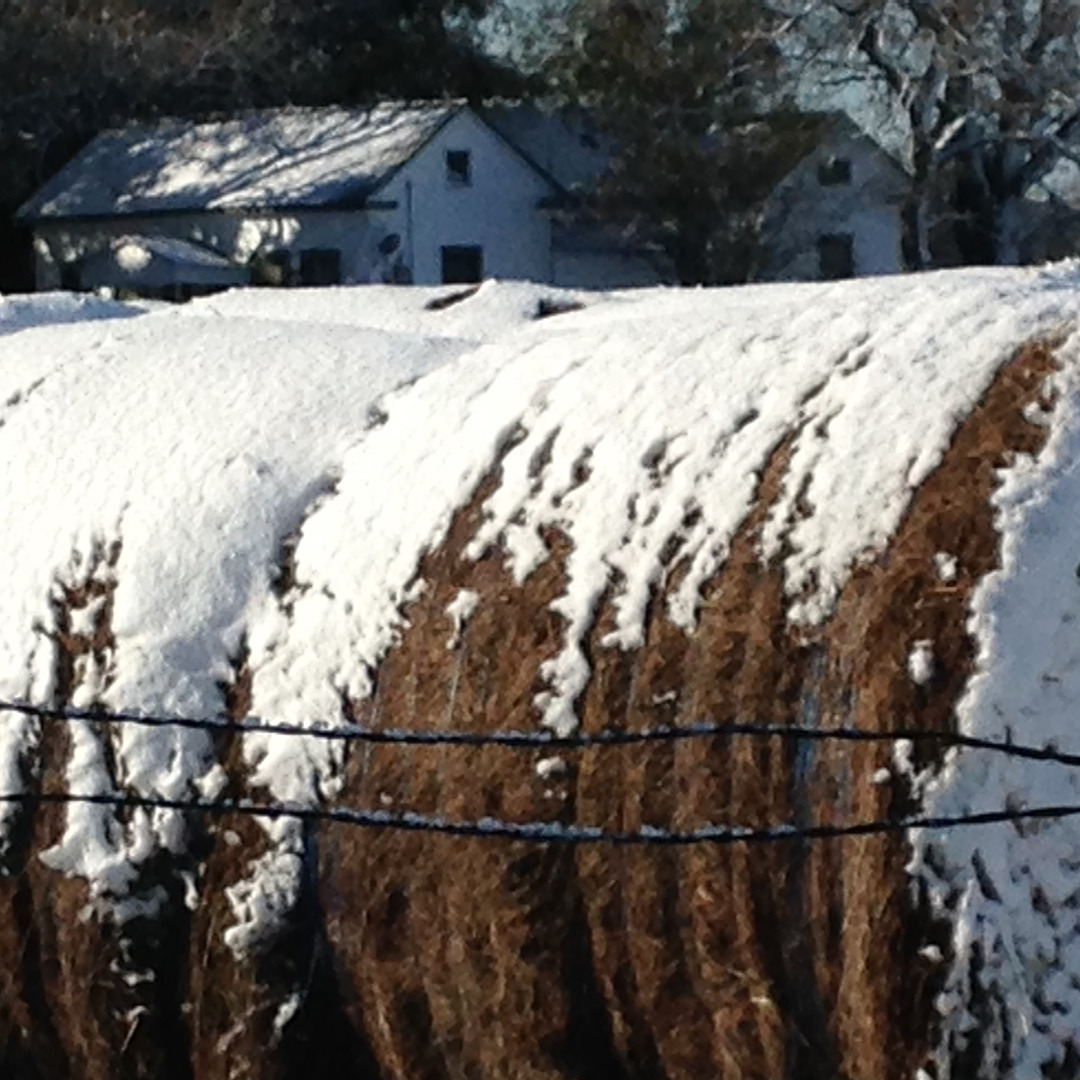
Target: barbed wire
(549,832)
(534,831)
(543,739)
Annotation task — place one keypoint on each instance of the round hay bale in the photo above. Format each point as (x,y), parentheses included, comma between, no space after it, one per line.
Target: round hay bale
(812,507)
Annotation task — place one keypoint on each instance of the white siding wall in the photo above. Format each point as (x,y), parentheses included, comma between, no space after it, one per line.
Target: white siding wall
(877,241)
(236,236)
(498,210)
(578,270)
(103,270)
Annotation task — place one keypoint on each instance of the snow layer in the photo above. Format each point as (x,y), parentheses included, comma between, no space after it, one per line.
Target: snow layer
(197,445)
(475,313)
(1019,887)
(636,423)
(460,610)
(945,565)
(920,662)
(207,443)
(22,312)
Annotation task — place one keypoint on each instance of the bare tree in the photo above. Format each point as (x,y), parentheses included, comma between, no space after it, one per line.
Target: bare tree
(984,94)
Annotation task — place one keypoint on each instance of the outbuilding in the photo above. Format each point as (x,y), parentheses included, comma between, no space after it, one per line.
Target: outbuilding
(427,192)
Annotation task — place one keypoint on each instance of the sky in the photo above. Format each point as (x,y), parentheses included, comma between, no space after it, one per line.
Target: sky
(516,29)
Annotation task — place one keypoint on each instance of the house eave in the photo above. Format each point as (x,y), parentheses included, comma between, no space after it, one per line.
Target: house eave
(36,220)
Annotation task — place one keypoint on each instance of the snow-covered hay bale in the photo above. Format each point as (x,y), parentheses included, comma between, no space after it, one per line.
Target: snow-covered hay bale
(816,506)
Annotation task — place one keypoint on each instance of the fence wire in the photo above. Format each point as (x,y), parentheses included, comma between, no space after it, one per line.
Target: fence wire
(543,740)
(547,832)
(551,832)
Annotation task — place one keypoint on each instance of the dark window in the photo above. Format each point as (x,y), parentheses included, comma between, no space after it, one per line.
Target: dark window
(321,266)
(462,265)
(459,167)
(834,172)
(836,256)
(71,276)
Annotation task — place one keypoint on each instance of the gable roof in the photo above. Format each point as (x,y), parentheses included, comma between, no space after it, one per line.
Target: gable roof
(296,158)
(840,127)
(563,143)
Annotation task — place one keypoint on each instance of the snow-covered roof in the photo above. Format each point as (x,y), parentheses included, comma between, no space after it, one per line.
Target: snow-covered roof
(563,142)
(180,252)
(836,130)
(277,158)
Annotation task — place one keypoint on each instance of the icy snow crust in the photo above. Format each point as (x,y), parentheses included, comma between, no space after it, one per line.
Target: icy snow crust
(475,314)
(203,441)
(22,312)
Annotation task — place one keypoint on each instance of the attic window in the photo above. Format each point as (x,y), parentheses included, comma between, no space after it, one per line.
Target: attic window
(459,168)
(834,172)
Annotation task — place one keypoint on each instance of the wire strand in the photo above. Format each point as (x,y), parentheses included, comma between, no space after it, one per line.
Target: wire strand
(542,739)
(549,832)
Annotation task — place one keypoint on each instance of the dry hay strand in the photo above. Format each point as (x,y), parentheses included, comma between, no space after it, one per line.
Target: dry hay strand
(477,958)
(273,1011)
(461,953)
(119,1029)
(229,1010)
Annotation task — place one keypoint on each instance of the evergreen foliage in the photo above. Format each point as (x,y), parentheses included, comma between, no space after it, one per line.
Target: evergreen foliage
(690,94)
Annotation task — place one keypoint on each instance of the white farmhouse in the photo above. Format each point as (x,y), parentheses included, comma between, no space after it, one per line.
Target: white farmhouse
(428,193)
(837,213)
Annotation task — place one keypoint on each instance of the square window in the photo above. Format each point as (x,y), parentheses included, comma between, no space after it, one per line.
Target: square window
(834,172)
(462,265)
(836,256)
(459,167)
(320,266)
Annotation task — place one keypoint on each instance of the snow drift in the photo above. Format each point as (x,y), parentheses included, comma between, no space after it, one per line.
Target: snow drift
(833,505)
